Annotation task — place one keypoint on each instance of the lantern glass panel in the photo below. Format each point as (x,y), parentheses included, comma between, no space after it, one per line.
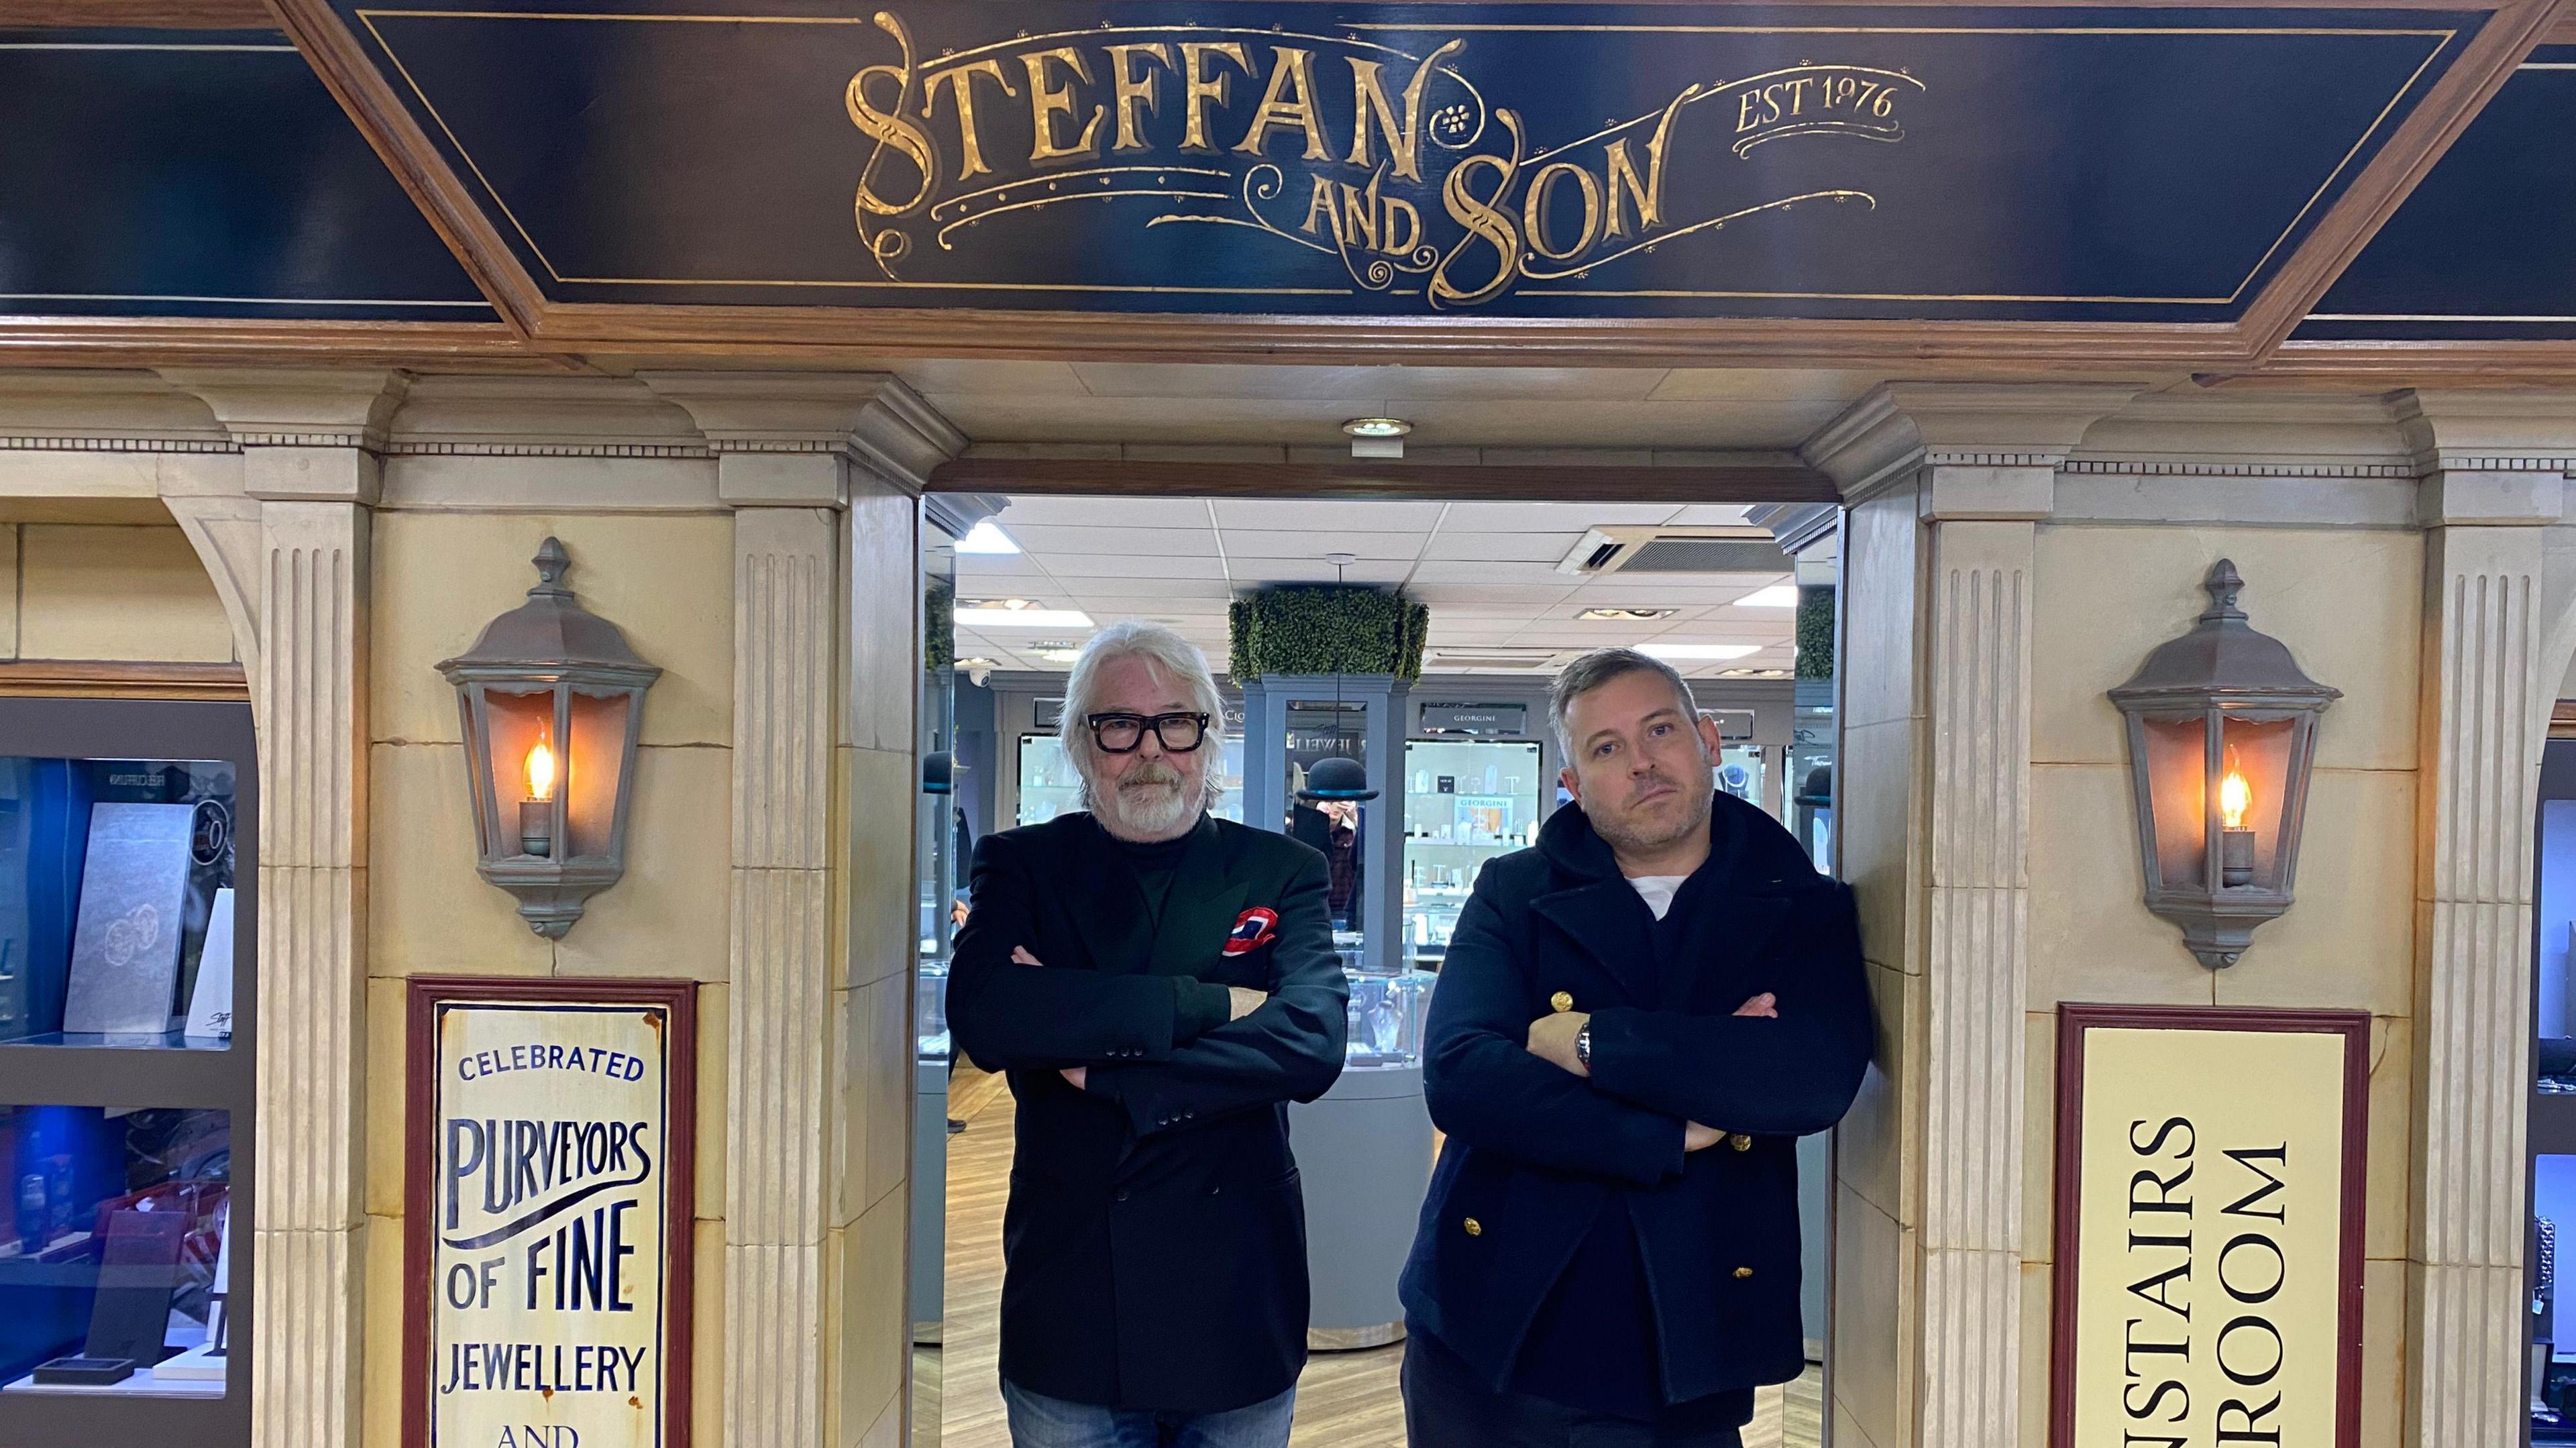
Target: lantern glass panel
(515,723)
(2259,751)
(593,764)
(2177,761)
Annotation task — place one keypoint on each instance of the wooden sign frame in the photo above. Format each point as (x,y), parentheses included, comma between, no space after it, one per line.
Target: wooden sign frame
(424,994)
(2074,1022)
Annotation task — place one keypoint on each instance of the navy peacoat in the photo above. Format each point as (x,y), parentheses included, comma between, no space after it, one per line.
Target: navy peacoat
(1535,1151)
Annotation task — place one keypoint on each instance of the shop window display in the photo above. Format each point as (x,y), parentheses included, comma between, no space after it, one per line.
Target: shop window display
(127,927)
(2550,1321)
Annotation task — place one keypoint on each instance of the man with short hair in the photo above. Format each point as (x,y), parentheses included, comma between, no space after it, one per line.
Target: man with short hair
(1636,1020)
(1159,984)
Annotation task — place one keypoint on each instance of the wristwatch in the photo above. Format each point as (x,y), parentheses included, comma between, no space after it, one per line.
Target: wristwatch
(1583,1046)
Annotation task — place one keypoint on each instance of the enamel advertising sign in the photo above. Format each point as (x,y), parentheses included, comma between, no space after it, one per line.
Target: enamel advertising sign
(547,1222)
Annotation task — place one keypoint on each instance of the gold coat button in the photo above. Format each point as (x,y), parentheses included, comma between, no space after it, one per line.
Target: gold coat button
(1561,1002)
(1743,1272)
(1474,1227)
(1740,1142)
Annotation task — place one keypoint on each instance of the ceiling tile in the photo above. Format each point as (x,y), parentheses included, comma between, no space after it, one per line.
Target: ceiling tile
(1275,543)
(1048,540)
(1069,568)
(1327,514)
(1502,547)
(1541,576)
(1104,512)
(1249,572)
(1550,517)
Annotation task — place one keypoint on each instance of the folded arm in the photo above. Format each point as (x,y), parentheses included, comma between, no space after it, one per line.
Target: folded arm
(1007,1016)
(1486,1089)
(1288,1049)
(1788,1074)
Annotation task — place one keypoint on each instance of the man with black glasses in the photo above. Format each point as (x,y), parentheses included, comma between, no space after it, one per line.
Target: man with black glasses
(1159,984)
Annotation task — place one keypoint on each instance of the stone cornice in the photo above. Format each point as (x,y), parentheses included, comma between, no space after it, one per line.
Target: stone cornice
(2488,431)
(1900,426)
(870,419)
(299,406)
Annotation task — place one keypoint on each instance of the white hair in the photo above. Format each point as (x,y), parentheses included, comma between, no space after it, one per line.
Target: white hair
(1174,658)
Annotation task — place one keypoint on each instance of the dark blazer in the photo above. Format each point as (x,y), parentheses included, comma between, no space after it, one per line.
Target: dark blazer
(1155,1242)
(1534,1151)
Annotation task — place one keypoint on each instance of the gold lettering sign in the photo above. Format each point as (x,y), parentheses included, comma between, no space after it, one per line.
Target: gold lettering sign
(2208,1246)
(1420,181)
(547,1217)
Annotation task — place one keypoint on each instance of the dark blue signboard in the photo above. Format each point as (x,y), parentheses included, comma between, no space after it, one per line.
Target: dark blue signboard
(1277,156)
(2485,246)
(201,173)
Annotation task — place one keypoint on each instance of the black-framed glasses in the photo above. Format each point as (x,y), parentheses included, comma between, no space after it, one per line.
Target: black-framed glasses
(1125,733)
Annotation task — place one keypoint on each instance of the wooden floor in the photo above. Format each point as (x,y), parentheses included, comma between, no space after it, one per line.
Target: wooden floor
(1344,1400)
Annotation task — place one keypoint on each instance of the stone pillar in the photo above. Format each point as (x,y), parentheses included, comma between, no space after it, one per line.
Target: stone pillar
(2489,677)
(823,473)
(1945,484)
(310,444)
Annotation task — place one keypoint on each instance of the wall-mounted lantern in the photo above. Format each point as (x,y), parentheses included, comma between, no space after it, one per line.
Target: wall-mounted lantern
(552,700)
(2222,734)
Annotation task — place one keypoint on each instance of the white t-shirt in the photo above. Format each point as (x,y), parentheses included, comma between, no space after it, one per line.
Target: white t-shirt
(1657,890)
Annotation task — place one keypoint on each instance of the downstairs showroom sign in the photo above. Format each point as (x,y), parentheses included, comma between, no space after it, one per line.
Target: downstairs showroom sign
(2209,1227)
(546,1233)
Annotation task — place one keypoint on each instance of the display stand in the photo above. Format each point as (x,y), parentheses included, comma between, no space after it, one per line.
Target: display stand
(1364,1153)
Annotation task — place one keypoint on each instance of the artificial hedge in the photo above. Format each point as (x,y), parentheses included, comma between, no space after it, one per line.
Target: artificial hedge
(1327,629)
(939,627)
(1816,632)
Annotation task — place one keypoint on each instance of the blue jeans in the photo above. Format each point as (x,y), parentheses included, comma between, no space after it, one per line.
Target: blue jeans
(1038,1421)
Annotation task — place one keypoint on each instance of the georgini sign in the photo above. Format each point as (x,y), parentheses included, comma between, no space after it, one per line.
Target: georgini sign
(547,1229)
(1271,156)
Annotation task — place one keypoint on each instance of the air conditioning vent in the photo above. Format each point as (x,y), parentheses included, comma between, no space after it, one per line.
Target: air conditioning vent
(1676,550)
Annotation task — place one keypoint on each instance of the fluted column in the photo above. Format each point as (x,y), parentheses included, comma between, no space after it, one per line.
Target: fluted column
(822,472)
(310,441)
(780,1102)
(2488,684)
(1946,484)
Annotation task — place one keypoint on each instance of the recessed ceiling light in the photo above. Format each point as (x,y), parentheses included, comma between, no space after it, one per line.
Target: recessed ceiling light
(1698,651)
(1341,560)
(1377,427)
(1778,595)
(1622,615)
(986,537)
(1019,613)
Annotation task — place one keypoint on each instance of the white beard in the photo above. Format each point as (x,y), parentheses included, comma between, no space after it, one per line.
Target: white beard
(1143,810)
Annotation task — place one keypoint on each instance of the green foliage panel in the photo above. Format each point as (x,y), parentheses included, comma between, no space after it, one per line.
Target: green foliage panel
(1328,629)
(1815,633)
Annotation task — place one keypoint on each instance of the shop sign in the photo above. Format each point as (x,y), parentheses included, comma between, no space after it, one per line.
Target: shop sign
(1531,160)
(2209,1207)
(1475,718)
(547,1218)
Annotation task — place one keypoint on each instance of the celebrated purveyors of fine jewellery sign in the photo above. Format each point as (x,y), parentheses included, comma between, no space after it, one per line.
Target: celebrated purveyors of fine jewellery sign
(1281,156)
(547,1226)
(2209,1226)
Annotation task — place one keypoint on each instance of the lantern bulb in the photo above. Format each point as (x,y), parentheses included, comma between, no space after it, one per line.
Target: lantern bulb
(2235,797)
(541,772)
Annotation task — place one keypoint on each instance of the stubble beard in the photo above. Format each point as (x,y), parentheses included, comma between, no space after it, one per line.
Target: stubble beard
(1697,799)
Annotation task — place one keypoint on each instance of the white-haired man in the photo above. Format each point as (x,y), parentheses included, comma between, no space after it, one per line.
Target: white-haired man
(1159,984)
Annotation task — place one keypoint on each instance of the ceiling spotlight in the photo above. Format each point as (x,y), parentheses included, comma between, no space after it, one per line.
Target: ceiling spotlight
(986,537)
(1624,615)
(1341,560)
(1778,595)
(1377,427)
(1698,651)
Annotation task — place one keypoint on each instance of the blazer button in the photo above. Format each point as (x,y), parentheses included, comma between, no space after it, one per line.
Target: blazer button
(1743,1272)
(1561,1002)
(1474,1227)
(1120,1195)
(1740,1142)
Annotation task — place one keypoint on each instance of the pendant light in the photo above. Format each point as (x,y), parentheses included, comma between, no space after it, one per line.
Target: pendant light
(1337,775)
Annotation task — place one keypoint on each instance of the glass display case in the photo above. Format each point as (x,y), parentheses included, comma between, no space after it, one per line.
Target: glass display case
(1049,786)
(2550,1319)
(1810,779)
(1740,773)
(128,927)
(1465,801)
